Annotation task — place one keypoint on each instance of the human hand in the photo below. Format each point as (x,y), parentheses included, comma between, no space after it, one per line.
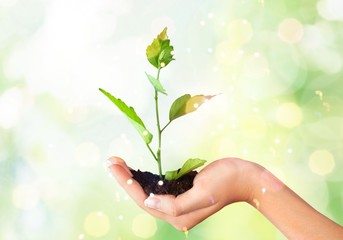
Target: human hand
(220,183)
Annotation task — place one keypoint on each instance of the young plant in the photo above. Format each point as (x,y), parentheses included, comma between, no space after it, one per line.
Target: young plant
(160,53)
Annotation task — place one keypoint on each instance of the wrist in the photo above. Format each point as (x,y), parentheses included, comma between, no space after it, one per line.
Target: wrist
(262,182)
(243,180)
(252,174)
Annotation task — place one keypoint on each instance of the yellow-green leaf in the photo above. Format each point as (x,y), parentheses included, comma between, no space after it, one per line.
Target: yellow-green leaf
(131,114)
(186,104)
(187,167)
(160,53)
(163,35)
(153,51)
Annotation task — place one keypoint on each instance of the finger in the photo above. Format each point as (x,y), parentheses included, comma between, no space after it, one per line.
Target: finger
(124,177)
(196,198)
(188,221)
(119,161)
(119,170)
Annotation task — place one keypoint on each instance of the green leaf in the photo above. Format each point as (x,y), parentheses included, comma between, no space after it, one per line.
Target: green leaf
(163,35)
(187,167)
(153,52)
(131,115)
(160,51)
(186,104)
(157,84)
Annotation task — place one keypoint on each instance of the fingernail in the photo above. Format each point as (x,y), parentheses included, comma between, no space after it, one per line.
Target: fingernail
(152,202)
(117,161)
(114,160)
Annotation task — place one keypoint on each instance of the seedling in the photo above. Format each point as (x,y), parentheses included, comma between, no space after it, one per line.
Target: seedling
(160,53)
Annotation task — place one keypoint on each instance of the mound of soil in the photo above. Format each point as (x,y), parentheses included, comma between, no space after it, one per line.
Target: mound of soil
(152,183)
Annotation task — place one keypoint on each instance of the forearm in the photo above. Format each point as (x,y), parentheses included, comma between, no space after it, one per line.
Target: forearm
(288,212)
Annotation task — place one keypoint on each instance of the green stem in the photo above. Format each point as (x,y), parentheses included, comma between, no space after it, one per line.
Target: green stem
(165,126)
(158,128)
(153,154)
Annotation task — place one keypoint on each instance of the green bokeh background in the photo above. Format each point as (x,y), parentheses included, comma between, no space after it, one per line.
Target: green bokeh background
(276,64)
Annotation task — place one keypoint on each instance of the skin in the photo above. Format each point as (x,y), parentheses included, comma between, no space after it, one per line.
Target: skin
(226,181)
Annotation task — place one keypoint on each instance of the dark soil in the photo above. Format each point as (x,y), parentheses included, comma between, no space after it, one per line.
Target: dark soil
(152,183)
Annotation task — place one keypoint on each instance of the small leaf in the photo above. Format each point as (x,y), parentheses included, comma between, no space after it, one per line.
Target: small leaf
(163,35)
(153,51)
(160,51)
(186,104)
(178,107)
(157,84)
(187,167)
(131,115)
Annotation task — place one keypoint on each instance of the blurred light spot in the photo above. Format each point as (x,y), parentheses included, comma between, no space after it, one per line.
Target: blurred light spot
(327,106)
(290,150)
(277,141)
(120,217)
(257,68)
(253,127)
(11,107)
(210,50)
(212,200)
(25,196)
(76,114)
(316,37)
(264,190)
(202,23)
(327,60)
(215,69)
(87,154)
(257,54)
(245,151)
(144,226)
(289,115)
(320,94)
(330,9)
(256,202)
(321,162)
(129,181)
(160,183)
(317,48)
(97,225)
(239,32)
(290,30)
(210,15)
(81,236)
(185,230)
(220,126)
